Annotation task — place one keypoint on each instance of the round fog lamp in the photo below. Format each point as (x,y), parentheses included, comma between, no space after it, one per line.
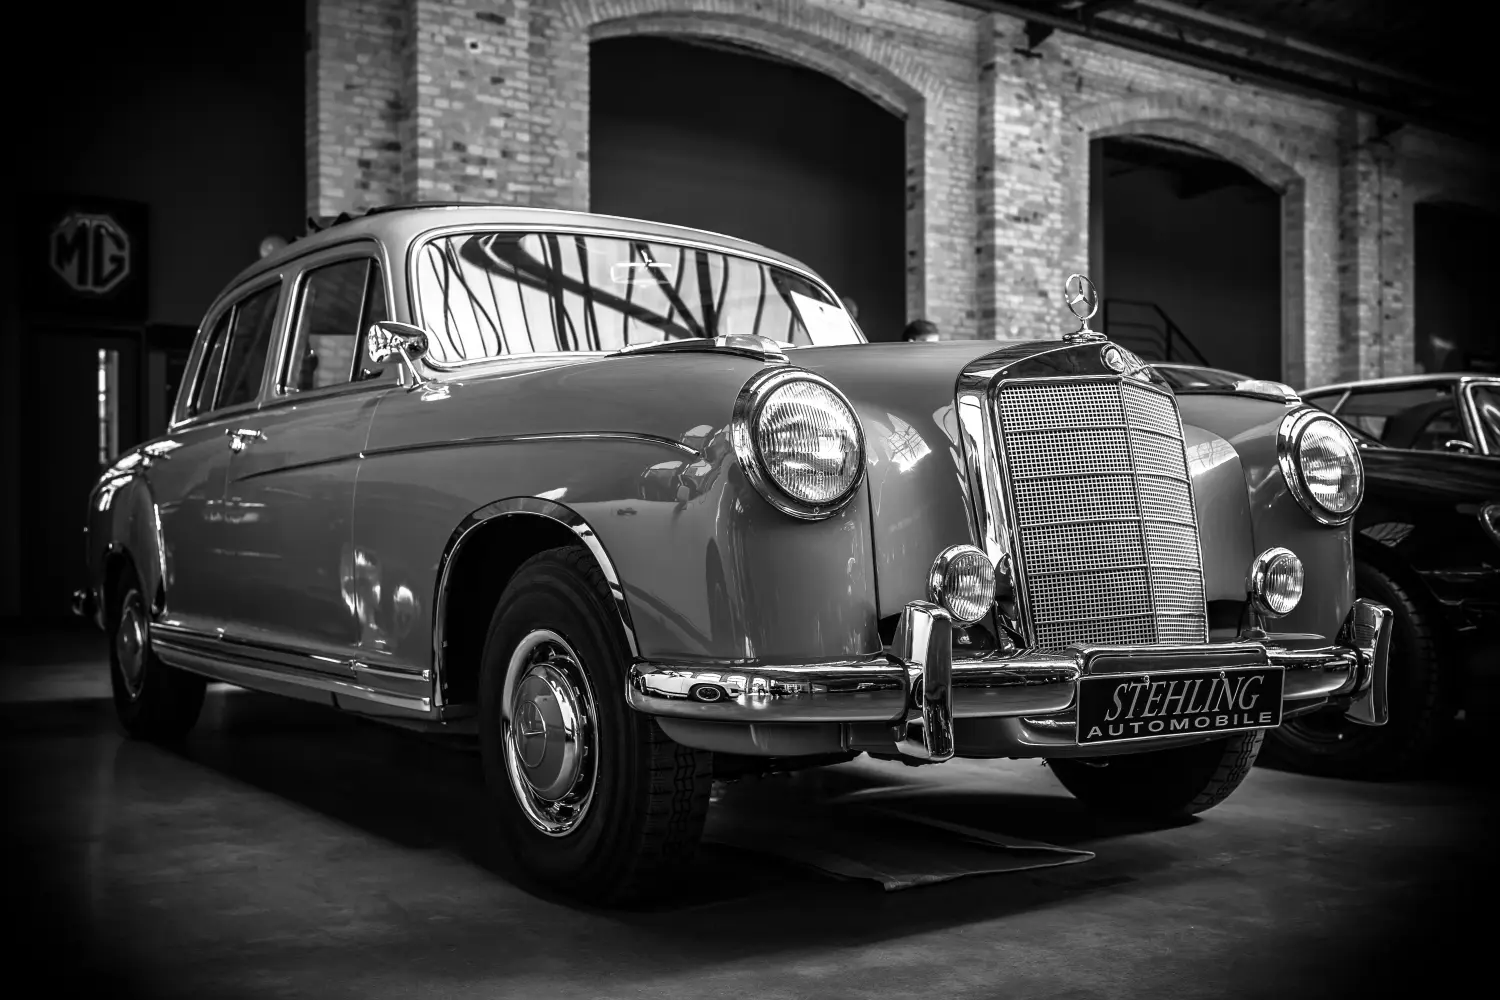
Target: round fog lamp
(1276,582)
(962,582)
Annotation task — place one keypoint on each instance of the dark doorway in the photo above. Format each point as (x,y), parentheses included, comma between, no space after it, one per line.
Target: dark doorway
(720,139)
(79,419)
(1455,260)
(1190,268)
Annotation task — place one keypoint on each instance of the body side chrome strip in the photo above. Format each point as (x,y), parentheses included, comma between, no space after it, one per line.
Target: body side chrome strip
(221,665)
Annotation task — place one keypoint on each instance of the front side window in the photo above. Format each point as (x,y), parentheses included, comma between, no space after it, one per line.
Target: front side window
(331,316)
(249,343)
(484,295)
(1419,417)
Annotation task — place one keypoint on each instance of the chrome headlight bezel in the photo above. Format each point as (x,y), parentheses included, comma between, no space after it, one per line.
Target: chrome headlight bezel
(747,412)
(1288,453)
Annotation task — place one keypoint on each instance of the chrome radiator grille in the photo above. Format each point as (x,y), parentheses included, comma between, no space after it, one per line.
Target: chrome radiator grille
(1103,512)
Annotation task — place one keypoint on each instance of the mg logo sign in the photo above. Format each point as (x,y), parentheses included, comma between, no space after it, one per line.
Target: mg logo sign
(90,252)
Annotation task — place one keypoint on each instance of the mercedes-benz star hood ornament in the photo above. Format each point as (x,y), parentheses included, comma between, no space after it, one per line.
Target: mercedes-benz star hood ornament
(1083,302)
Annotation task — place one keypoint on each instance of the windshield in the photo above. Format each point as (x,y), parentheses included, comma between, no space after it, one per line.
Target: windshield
(492,294)
(1421,417)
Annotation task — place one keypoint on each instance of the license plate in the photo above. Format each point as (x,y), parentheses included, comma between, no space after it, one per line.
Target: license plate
(1118,707)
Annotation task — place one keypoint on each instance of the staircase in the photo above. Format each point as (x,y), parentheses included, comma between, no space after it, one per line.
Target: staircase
(1146,329)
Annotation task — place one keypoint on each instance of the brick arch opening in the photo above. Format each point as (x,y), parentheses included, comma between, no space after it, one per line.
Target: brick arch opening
(1200,127)
(1450,252)
(816,40)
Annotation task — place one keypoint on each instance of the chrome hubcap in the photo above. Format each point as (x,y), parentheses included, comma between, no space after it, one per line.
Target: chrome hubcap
(130,645)
(548,722)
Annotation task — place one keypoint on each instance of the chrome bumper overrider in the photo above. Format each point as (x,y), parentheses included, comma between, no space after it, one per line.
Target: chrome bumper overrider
(918,689)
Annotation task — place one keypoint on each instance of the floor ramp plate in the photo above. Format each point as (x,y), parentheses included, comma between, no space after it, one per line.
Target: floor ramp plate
(848,836)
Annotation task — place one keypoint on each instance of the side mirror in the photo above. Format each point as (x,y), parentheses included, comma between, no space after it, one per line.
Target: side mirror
(388,339)
(1458,445)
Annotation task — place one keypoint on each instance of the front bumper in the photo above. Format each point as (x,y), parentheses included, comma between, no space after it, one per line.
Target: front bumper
(918,690)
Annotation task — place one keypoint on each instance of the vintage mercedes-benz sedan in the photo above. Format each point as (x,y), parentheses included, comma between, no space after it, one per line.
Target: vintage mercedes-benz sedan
(639,507)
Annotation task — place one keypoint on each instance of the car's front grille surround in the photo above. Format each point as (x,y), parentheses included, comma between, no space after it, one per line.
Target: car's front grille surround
(1101,509)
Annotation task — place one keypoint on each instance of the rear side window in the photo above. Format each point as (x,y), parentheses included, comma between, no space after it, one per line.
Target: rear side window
(249,344)
(213,363)
(337,303)
(492,294)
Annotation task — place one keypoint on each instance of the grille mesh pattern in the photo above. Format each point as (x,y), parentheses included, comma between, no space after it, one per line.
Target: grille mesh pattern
(1104,514)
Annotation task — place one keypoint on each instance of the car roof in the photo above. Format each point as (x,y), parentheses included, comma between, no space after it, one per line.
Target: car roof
(404,223)
(1395,381)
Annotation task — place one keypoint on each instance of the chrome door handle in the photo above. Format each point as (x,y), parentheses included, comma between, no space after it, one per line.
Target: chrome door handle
(239,438)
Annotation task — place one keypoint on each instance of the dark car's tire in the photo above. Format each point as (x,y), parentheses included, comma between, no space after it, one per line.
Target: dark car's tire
(1421,699)
(616,818)
(152,700)
(1162,783)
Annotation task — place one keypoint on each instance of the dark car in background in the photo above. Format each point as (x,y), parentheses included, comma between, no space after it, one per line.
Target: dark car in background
(1427,545)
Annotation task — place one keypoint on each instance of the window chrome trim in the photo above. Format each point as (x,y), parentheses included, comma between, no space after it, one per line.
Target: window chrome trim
(414,252)
(747,407)
(1288,440)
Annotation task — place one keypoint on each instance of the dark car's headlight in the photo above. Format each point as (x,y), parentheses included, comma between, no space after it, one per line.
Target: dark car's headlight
(1321,464)
(799,442)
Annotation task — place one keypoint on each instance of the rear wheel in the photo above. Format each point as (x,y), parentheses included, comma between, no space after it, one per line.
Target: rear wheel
(594,799)
(1161,783)
(1421,704)
(152,700)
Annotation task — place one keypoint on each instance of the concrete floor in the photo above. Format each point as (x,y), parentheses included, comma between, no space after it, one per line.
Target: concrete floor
(290,851)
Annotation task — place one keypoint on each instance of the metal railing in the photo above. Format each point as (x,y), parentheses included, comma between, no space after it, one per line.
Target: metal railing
(1146,329)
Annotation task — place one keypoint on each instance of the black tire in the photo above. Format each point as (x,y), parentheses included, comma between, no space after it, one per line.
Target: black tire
(1162,784)
(152,700)
(642,821)
(1421,699)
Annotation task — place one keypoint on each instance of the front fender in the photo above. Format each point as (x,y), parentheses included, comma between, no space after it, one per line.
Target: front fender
(123,520)
(1249,425)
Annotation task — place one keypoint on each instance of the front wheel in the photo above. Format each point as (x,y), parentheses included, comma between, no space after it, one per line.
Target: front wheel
(1421,698)
(594,798)
(1180,781)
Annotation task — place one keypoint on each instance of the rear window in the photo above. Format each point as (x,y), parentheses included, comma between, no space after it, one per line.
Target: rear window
(484,295)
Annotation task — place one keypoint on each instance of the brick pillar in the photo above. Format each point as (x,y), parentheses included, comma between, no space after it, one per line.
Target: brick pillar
(1033,190)
(502,103)
(445,100)
(1375,336)
(359,83)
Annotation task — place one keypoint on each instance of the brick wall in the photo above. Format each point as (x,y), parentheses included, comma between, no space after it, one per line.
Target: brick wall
(488,99)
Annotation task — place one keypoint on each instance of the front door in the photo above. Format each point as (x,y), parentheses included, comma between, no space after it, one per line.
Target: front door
(289,497)
(80,413)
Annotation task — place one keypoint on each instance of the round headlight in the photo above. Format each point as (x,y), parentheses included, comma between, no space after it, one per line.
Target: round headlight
(962,581)
(1321,464)
(1275,583)
(799,441)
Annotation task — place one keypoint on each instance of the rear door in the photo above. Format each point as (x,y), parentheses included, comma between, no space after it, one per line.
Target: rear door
(290,566)
(187,481)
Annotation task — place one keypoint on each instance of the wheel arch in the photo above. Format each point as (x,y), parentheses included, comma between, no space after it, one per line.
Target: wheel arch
(482,555)
(1389,562)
